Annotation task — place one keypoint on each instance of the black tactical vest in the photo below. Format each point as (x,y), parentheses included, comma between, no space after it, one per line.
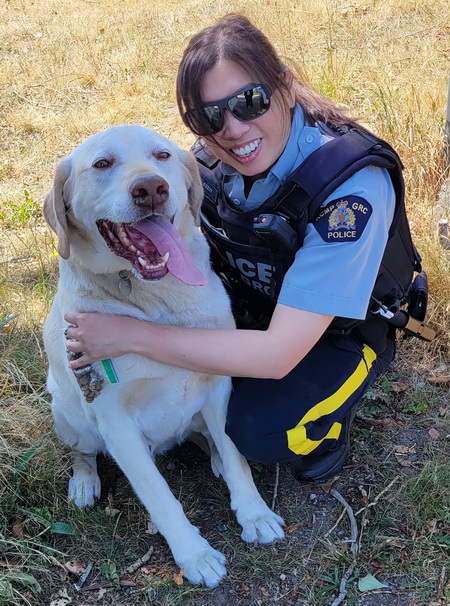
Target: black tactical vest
(253,250)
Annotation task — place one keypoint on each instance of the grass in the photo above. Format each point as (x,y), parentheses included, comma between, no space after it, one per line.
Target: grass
(68,70)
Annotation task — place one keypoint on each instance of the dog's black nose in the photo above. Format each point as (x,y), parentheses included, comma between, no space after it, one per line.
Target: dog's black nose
(149,190)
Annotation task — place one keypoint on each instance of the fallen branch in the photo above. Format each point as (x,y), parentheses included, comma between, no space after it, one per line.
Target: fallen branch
(351,515)
(275,488)
(140,562)
(354,547)
(378,497)
(107,585)
(342,587)
(440,591)
(338,521)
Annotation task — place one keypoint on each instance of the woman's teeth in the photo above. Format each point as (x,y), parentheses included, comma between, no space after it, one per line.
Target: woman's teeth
(247,150)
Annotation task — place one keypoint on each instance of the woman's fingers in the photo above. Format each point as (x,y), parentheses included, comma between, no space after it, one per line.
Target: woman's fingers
(73,317)
(73,345)
(83,360)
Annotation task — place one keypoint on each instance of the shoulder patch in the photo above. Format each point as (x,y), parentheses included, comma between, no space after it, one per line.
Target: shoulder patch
(343,220)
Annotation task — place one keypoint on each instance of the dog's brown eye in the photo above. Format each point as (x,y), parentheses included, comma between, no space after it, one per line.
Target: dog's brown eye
(103,163)
(162,155)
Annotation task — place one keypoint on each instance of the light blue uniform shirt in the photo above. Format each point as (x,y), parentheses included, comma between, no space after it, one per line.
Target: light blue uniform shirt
(327,277)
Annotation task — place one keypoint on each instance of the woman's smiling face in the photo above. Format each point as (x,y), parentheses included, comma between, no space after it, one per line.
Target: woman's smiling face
(252,148)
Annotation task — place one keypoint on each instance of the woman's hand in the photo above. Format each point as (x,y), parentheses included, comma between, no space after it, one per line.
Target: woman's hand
(99,336)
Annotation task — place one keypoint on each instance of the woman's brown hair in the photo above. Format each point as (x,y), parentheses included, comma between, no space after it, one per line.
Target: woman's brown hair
(235,38)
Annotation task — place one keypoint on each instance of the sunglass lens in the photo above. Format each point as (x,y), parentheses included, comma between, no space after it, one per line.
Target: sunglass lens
(249,104)
(214,116)
(205,121)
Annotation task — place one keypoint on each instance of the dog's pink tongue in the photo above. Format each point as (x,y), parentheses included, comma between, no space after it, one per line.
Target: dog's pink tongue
(166,239)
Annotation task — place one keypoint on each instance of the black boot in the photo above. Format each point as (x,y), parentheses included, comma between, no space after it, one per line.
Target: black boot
(318,468)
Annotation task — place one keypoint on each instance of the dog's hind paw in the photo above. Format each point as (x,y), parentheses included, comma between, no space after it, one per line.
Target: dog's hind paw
(262,528)
(84,490)
(206,567)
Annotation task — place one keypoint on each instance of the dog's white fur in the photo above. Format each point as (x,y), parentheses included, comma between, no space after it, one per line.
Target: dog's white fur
(154,405)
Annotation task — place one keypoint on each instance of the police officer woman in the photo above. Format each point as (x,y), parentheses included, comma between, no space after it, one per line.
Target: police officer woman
(298,374)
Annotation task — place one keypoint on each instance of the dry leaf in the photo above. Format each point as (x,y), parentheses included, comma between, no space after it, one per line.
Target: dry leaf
(178,577)
(441,380)
(151,528)
(291,528)
(430,526)
(17,528)
(101,593)
(404,462)
(398,387)
(404,450)
(62,600)
(75,566)
(110,511)
(363,491)
(434,433)
(393,542)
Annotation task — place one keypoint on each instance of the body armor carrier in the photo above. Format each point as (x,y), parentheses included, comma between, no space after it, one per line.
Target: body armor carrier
(252,250)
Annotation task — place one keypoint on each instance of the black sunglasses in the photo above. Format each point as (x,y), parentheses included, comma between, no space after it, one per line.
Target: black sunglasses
(248,104)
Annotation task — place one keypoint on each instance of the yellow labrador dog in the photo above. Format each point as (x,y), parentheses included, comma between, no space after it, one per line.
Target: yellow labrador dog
(124,206)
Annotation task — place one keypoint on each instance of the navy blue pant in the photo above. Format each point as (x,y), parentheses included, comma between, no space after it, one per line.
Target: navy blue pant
(275,420)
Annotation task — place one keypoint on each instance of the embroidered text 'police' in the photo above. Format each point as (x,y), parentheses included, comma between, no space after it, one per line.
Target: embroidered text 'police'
(343,220)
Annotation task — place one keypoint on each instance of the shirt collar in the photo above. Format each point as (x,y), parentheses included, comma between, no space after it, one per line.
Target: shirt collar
(290,156)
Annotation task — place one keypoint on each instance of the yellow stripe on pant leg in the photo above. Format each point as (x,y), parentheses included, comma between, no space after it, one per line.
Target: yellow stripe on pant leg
(297,439)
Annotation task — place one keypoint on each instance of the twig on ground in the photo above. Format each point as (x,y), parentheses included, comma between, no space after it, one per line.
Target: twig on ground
(338,521)
(37,104)
(107,585)
(342,587)
(275,488)
(441,584)
(351,515)
(140,562)
(354,546)
(378,497)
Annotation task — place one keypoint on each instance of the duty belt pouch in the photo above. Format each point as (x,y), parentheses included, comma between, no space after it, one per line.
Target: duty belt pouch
(375,332)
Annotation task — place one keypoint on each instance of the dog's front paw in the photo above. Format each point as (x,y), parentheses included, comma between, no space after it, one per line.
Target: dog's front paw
(261,526)
(84,489)
(206,567)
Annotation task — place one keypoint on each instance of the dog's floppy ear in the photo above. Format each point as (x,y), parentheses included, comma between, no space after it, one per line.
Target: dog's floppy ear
(55,209)
(194,185)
